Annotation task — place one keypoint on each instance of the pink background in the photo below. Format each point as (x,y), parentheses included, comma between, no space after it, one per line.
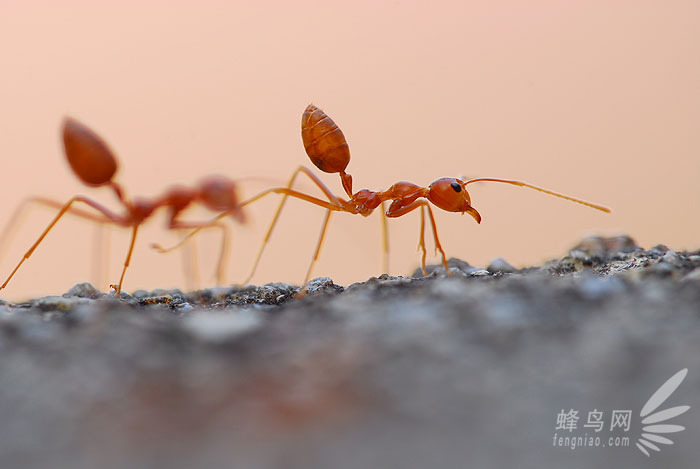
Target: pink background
(598,99)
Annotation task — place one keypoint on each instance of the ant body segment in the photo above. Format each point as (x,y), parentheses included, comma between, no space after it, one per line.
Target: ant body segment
(94,163)
(328,150)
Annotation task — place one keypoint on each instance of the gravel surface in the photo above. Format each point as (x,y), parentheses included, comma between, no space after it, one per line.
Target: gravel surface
(466,370)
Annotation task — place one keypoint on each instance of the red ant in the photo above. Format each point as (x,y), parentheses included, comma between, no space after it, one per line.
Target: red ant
(94,163)
(328,150)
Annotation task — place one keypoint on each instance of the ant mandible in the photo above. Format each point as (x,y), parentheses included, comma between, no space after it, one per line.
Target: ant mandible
(328,150)
(94,163)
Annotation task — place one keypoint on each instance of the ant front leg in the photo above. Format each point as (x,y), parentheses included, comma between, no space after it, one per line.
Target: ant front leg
(385,239)
(403,210)
(438,246)
(421,241)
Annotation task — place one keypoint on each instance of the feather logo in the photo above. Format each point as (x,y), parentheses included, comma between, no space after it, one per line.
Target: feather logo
(653,421)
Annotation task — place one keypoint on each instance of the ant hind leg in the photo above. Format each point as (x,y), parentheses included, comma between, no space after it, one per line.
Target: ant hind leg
(322,236)
(66,208)
(327,192)
(17,216)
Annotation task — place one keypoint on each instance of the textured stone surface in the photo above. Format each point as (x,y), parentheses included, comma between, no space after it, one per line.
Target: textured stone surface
(467,370)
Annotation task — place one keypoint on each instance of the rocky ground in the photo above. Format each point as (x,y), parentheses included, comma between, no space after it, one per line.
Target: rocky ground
(467,370)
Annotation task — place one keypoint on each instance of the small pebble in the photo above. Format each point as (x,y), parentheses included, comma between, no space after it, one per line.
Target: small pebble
(439,269)
(322,285)
(83,290)
(457,272)
(598,246)
(500,265)
(659,249)
(670,257)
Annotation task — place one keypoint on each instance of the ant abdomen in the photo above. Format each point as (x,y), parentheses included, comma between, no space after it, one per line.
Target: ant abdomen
(88,155)
(324,142)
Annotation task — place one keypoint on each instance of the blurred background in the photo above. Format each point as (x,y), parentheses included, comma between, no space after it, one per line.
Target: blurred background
(600,100)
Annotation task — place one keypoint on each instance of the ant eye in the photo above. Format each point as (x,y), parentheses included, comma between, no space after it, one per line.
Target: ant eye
(456,187)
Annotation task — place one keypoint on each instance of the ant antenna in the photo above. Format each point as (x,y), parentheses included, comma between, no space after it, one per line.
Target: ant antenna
(530,186)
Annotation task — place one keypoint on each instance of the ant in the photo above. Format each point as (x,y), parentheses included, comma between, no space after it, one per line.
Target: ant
(94,163)
(328,150)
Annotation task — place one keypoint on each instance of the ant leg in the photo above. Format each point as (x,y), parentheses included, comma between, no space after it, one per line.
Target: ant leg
(16,218)
(99,273)
(190,266)
(301,169)
(105,265)
(421,241)
(223,252)
(321,237)
(438,246)
(423,204)
(65,209)
(194,262)
(385,240)
(134,231)
(100,255)
(274,190)
(403,210)
(336,207)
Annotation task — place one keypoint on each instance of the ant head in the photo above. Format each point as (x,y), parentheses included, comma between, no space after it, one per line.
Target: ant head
(450,194)
(88,155)
(219,194)
(324,142)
